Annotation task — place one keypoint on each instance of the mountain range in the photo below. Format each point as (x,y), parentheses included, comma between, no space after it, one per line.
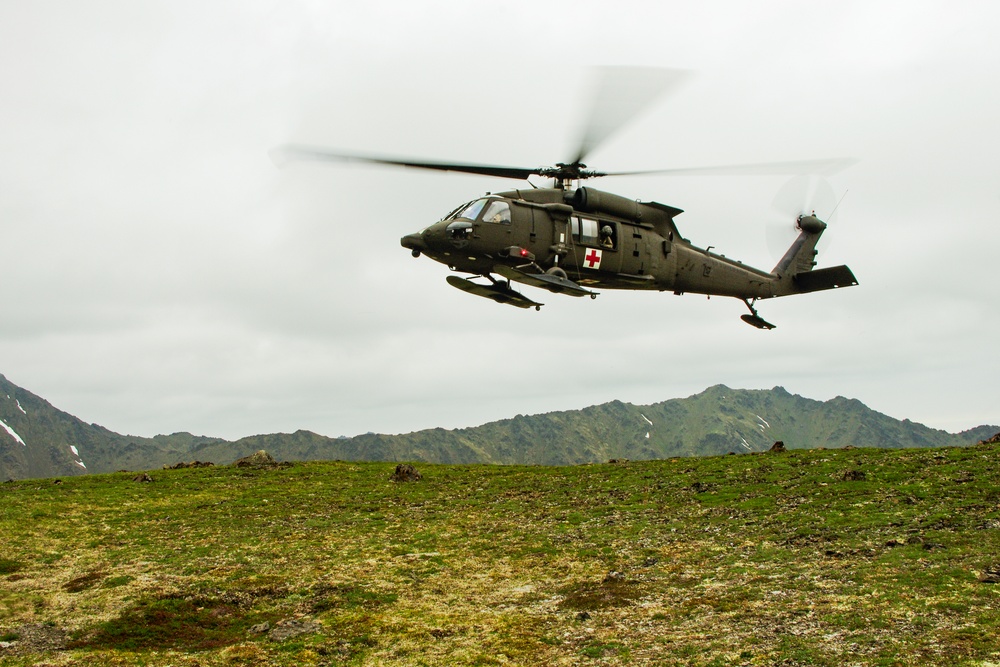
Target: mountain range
(39,440)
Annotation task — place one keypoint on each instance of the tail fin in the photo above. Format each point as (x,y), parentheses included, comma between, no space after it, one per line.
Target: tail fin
(795,270)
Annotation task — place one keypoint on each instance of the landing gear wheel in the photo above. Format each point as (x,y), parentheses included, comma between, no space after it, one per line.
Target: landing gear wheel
(558,272)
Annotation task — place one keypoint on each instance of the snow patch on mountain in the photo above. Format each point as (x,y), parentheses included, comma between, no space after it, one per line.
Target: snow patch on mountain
(763,423)
(76,453)
(13,433)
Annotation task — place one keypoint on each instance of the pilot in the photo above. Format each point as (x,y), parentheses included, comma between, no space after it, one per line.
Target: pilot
(606,239)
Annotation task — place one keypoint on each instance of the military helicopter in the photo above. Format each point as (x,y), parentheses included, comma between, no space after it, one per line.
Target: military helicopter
(572,239)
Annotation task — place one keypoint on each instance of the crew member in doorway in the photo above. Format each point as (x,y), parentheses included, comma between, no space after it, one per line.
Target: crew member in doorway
(606,234)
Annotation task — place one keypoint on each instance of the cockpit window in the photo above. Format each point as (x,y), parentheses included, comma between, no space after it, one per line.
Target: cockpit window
(497,212)
(471,212)
(451,215)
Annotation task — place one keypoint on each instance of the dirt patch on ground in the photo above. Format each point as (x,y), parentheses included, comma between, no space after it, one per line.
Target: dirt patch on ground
(614,591)
(33,638)
(84,582)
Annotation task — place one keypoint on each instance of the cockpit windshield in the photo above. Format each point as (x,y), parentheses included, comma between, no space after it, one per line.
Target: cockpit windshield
(497,211)
(471,211)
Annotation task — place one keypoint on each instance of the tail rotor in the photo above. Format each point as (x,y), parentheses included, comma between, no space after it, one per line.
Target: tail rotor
(799,197)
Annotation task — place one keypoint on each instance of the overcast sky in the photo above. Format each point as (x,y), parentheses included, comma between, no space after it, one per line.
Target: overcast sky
(158,273)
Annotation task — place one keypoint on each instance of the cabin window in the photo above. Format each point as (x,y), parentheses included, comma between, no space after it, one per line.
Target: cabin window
(595,232)
(585,230)
(497,212)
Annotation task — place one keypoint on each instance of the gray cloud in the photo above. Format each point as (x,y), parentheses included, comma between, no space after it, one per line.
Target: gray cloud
(160,273)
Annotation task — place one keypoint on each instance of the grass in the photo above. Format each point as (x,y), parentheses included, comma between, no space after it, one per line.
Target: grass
(9,566)
(863,557)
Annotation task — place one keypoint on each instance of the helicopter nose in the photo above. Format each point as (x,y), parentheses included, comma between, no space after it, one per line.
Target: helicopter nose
(415,242)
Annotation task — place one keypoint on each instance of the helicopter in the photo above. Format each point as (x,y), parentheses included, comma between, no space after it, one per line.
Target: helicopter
(573,239)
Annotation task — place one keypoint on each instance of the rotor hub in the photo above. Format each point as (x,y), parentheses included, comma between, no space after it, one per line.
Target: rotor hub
(565,173)
(810,224)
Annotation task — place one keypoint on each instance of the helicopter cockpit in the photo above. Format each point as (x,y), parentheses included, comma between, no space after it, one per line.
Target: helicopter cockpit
(487,209)
(496,211)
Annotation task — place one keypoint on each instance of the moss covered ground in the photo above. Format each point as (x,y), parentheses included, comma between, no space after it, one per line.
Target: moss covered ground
(820,557)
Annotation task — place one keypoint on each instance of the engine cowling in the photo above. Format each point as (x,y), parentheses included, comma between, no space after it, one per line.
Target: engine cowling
(596,201)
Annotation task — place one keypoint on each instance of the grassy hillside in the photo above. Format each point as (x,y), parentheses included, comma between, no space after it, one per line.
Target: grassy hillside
(825,557)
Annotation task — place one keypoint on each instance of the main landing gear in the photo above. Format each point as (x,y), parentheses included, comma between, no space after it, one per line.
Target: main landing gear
(754,319)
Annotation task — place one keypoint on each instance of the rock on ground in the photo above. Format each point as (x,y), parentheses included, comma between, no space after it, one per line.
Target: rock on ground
(405,473)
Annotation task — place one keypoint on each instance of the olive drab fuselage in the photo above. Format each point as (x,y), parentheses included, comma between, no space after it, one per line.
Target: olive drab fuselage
(600,240)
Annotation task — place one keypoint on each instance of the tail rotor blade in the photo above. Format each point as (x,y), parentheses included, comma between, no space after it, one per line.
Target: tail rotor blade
(802,195)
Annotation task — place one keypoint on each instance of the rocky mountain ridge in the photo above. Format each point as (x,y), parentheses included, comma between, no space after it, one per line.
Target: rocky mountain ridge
(38,440)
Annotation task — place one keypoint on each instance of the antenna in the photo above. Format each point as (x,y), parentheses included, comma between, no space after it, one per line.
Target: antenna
(838,205)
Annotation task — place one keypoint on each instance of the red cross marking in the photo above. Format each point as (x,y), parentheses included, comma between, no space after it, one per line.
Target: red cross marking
(593,258)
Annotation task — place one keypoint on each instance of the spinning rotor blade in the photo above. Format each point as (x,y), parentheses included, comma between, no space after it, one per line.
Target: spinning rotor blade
(286,153)
(828,167)
(619,95)
(801,167)
(802,195)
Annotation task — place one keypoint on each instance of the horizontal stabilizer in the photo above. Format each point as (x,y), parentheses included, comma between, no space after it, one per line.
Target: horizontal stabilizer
(822,279)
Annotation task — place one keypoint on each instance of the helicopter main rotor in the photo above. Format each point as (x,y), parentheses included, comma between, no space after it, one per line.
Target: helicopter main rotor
(564,174)
(561,172)
(619,95)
